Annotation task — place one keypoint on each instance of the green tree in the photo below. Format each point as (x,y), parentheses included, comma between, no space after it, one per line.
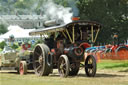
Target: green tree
(2,44)
(3,29)
(112,14)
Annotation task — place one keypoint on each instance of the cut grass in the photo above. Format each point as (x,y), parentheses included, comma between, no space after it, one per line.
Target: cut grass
(102,78)
(113,64)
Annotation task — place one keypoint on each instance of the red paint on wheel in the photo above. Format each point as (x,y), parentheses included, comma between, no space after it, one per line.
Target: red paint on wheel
(21,69)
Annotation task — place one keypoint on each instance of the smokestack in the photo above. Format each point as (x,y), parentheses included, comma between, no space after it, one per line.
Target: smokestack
(72,4)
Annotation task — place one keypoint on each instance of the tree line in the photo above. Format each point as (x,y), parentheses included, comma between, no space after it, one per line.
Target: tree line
(112,14)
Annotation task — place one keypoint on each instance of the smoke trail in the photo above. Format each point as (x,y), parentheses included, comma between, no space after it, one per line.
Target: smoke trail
(54,11)
(48,8)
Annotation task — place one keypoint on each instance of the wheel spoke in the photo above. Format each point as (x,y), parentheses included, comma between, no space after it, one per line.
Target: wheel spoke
(36,61)
(21,66)
(90,61)
(90,66)
(64,68)
(39,49)
(37,53)
(91,70)
(64,64)
(88,70)
(63,61)
(62,71)
(38,67)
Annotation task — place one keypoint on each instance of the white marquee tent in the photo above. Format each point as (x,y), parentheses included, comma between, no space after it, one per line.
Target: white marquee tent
(17,32)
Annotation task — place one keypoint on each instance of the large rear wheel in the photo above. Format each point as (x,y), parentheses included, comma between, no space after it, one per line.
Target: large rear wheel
(42,62)
(90,66)
(63,66)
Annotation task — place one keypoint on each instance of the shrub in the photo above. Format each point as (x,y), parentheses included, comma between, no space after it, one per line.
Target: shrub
(14,46)
(3,28)
(2,44)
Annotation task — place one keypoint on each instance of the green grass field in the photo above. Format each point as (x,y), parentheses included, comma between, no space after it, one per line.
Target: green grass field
(108,73)
(112,64)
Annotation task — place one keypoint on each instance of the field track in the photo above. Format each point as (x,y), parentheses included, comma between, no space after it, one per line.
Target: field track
(111,76)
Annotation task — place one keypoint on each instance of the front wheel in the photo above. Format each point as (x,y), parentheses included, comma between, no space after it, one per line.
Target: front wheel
(63,66)
(23,68)
(90,66)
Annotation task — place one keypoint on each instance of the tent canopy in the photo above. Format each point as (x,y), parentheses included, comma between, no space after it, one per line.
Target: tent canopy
(17,32)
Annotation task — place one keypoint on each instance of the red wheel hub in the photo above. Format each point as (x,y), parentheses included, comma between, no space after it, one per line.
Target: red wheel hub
(21,69)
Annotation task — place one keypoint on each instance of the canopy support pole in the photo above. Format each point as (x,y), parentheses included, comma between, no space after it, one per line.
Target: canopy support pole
(64,34)
(69,36)
(92,32)
(96,35)
(73,35)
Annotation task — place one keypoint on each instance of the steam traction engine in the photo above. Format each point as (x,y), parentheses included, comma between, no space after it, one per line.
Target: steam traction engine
(64,49)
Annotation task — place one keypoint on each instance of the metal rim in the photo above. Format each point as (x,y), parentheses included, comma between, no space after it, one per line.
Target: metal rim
(38,60)
(63,66)
(90,66)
